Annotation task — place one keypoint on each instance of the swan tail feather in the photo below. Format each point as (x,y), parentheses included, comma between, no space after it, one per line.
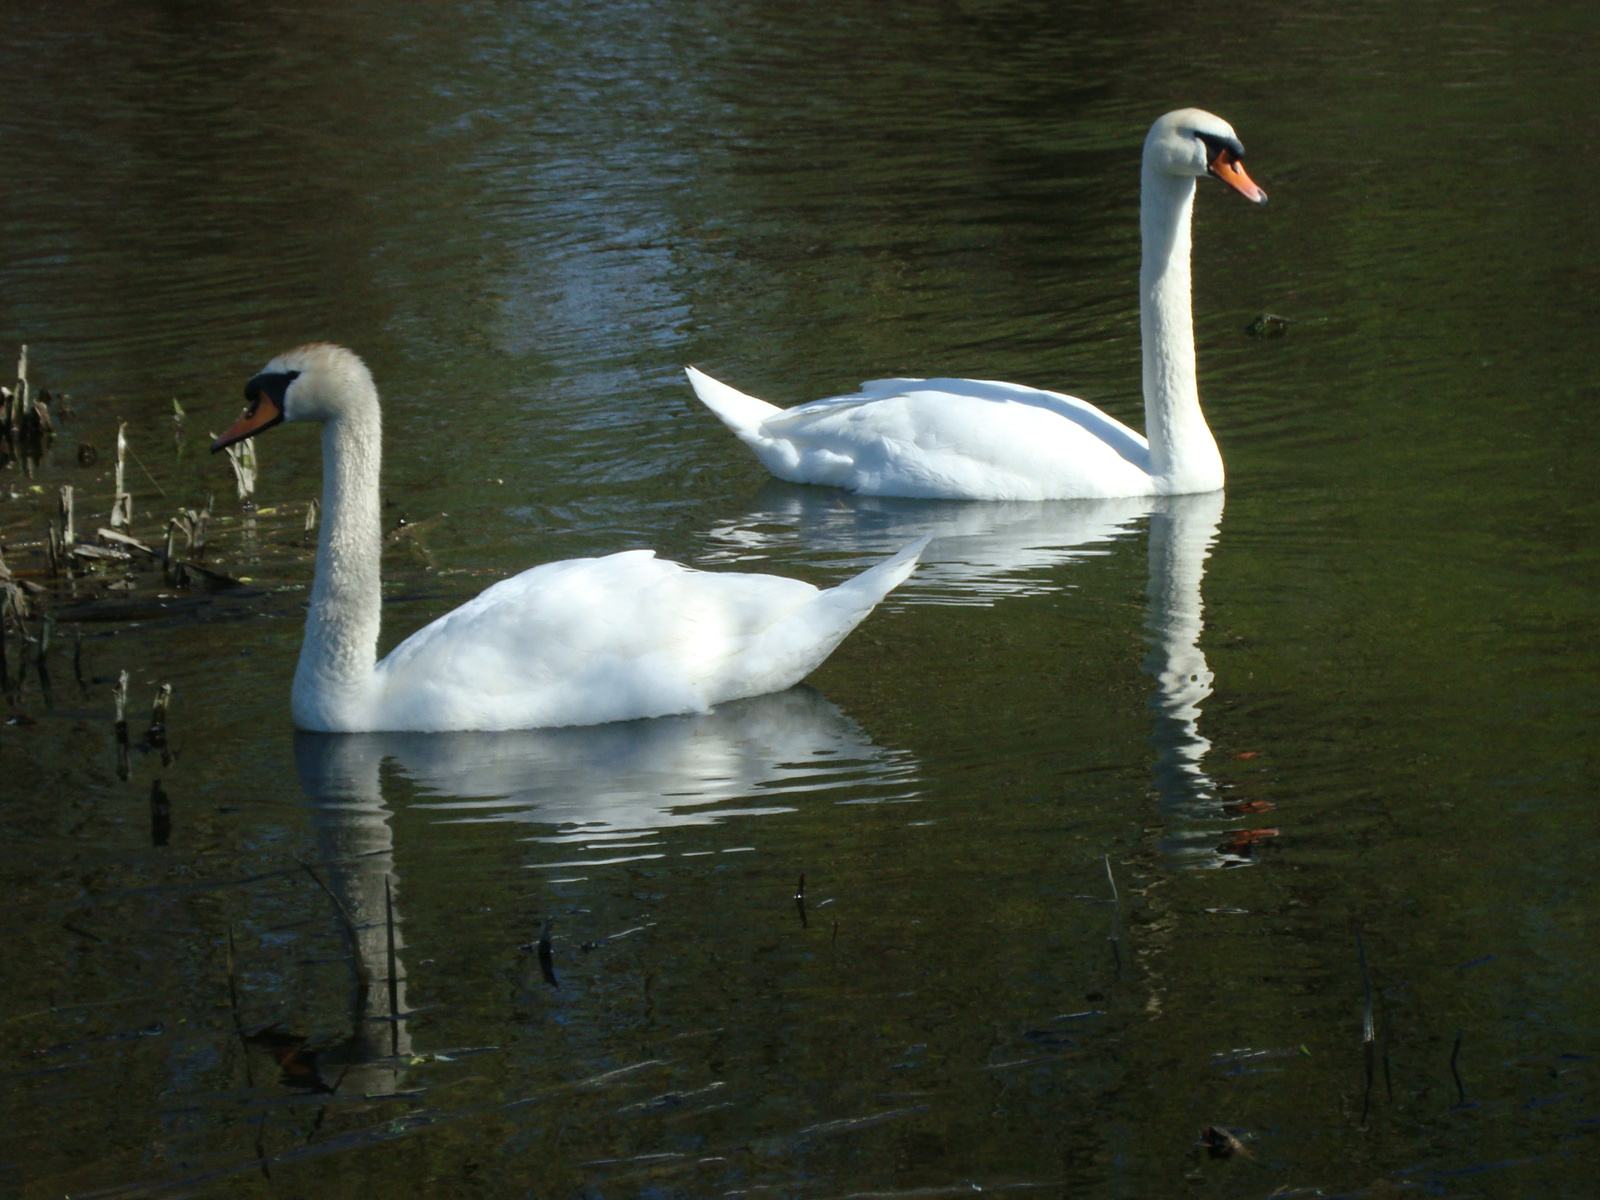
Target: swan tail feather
(796,645)
(867,589)
(740,413)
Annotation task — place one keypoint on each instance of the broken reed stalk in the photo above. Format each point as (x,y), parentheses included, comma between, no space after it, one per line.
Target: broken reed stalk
(242,458)
(19,397)
(156,735)
(121,501)
(1369,1035)
(120,695)
(68,535)
(177,425)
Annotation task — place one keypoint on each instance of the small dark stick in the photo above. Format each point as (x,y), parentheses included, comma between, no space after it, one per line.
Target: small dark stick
(160,815)
(800,901)
(1455,1052)
(547,966)
(394,980)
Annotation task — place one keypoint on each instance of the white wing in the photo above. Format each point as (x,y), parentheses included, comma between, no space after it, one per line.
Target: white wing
(942,439)
(608,639)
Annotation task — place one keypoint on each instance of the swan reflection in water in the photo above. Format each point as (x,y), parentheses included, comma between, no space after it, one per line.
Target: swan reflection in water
(983,552)
(355,850)
(597,794)
(1182,532)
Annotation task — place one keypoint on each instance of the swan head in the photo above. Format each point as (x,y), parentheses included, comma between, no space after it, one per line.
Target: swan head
(315,382)
(1190,141)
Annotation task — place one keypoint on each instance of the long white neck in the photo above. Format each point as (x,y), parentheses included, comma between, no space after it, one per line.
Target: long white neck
(1183,454)
(334,682)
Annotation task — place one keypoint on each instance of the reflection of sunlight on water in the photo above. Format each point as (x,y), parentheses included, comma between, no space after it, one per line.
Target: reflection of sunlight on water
(602,788)
(1182,531)
(981,551)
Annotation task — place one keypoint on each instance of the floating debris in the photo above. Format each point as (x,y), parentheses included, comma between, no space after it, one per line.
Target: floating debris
(1269,325)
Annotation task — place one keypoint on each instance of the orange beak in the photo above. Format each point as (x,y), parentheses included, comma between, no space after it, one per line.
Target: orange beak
(263,413)
(1226,167)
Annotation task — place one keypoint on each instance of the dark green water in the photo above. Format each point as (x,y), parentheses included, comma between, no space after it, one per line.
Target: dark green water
(1377,735)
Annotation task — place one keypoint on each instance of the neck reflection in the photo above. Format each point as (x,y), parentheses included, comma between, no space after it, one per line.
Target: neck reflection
(1182,532)
(355,851)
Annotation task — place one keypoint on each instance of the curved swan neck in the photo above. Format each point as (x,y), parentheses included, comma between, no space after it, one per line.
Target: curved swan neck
(340,649)
(1183,454)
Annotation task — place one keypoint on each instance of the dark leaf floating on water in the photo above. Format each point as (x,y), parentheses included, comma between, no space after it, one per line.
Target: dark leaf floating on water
(1220,1143)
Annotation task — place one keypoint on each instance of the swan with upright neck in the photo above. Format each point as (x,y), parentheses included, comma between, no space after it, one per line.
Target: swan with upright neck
(580,642)
(975,439)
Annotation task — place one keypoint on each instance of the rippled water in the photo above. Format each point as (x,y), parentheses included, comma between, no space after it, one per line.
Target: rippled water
(1118,823)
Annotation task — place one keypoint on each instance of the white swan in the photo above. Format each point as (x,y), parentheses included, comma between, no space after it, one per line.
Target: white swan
(975,439)
(580,642)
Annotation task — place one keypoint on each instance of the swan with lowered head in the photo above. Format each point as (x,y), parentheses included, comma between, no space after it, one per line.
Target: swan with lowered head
(579,642)
(974,439)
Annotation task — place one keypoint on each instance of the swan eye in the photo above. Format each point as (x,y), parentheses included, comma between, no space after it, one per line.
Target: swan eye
(1224,149)
(272,384)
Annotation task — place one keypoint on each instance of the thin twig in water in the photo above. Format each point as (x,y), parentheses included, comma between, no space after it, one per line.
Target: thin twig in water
(147,474)
(1368,1034)
(1455,1052)
(394,981)
(233,1003)
(363,975)
(1116,913)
